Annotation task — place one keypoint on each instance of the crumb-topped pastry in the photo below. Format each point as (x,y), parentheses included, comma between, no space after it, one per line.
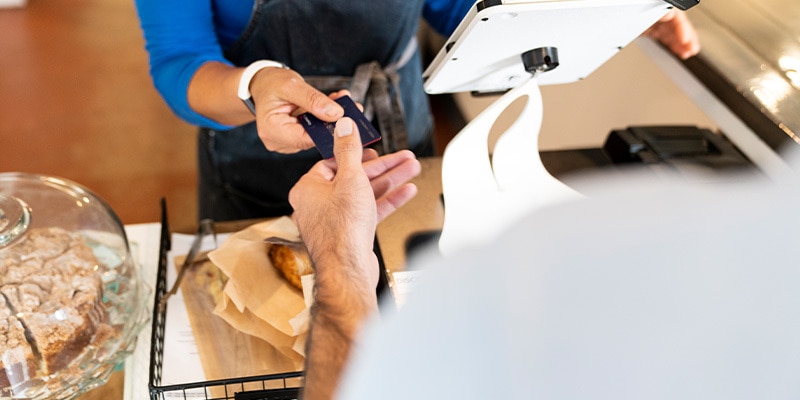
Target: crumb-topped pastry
(52,294)
(16,358)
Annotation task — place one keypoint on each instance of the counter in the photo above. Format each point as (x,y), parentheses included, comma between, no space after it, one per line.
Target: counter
(424,213)
(751,60)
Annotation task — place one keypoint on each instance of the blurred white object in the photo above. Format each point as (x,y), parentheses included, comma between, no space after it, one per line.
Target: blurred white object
(650,290)
(484,194)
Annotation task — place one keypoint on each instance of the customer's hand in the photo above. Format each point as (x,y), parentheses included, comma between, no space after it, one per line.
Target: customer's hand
(338,204)
(280,96)
(676,32)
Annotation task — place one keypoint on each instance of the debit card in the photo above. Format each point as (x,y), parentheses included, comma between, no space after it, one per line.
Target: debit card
(321,132)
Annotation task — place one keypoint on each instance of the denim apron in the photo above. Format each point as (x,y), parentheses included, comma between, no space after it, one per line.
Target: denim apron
(328,42)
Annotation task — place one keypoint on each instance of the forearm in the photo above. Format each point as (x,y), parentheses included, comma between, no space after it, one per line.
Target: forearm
(330,340)
(181,37)
(336,212)
(344,297)
(212,93)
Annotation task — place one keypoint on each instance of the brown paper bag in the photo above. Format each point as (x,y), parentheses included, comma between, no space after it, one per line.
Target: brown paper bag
(226,351)
(257,299)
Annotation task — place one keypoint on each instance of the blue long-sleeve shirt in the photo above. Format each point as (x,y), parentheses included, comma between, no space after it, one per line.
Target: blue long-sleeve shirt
(182,35)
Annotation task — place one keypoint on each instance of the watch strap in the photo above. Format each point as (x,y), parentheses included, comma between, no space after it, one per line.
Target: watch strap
(247,76)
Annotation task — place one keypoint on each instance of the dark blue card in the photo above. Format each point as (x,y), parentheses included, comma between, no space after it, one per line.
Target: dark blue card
(321,132)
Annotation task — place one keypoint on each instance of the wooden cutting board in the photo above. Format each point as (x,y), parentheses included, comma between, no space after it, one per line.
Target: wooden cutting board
(224,351)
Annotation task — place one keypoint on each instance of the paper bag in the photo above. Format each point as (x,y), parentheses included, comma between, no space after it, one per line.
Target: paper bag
(257,299)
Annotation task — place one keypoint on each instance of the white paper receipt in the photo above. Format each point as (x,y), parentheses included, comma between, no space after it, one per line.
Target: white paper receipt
(404,283)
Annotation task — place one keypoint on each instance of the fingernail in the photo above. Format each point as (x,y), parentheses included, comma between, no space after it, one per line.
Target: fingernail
(344,127)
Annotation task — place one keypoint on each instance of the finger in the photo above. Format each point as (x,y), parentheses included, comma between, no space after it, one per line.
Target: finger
(321,171)
(395,199)
(333,96)
(677,33)
(297,138)
(384,163)
(689,37)
(345,92)
(282,133)
(339,94)
(306,97)
(347,145)
(304,142)
(369,155)
(325,169)
(366,155)
(394,177)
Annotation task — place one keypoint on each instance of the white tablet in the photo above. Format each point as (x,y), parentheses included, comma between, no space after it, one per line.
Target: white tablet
(484,54)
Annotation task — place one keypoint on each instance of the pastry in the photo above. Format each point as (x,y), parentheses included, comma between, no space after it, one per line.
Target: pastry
(292,261)
(50,303)
(16,359)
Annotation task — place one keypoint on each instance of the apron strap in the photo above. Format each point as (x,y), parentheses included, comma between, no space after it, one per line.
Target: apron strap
(378,90)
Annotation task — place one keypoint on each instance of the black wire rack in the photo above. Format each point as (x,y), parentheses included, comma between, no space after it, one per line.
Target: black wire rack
(285,386)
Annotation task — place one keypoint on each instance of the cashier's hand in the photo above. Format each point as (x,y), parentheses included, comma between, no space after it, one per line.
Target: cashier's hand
(676,32)
(339,202)
(280,96)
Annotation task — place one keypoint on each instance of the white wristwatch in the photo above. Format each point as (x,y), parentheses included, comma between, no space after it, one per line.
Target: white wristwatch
(247,76)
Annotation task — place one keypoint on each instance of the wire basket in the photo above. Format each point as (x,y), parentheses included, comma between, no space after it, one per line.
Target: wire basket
(284,386)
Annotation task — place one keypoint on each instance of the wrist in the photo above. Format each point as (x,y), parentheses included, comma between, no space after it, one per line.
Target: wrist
(344,286)
(346,313)
(247,77)
(330,252)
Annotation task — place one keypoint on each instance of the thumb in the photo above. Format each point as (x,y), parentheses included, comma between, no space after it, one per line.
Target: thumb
(347,144)
(312,100)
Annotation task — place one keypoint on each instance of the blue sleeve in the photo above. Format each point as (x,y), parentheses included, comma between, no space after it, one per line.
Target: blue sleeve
(445,15)
(179,37)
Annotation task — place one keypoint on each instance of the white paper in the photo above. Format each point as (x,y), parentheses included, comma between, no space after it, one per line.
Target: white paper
(144,240)
(404,283)
(182,362)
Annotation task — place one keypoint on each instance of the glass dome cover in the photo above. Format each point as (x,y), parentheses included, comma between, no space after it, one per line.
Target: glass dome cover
(71,300)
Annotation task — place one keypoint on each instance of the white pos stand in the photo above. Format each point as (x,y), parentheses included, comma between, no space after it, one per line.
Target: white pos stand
(483,195)
(490,52)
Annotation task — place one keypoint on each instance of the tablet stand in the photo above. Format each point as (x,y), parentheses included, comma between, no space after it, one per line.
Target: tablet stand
(484,194)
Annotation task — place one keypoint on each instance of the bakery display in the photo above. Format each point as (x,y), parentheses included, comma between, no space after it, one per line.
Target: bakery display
(71,300)
(51,304)
(292,261)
